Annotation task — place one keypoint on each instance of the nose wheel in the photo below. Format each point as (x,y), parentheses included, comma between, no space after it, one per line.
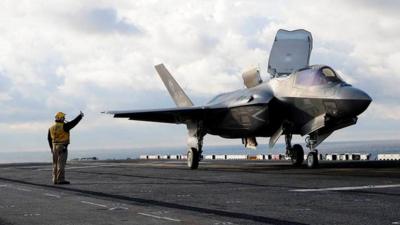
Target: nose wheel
(312,157)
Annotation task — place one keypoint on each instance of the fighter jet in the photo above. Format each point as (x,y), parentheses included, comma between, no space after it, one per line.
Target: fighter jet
(298,99)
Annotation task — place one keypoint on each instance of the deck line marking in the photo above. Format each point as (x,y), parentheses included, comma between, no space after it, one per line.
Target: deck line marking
(32,167)
(118,208)
(76,167)
(52,195)
(347,188)
(95,204)
(159,217)
(3,185)
(23,189)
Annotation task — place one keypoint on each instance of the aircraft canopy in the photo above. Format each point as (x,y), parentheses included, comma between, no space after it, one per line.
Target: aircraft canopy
(290,51)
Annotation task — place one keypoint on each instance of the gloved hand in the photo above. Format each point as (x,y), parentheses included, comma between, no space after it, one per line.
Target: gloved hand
(82,114)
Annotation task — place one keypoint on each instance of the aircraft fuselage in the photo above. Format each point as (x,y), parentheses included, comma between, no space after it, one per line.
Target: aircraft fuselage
(297,98)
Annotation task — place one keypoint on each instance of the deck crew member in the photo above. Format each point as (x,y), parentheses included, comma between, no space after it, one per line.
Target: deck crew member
(58,137)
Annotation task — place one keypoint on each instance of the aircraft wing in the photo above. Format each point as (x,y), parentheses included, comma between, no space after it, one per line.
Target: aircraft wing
(172,115)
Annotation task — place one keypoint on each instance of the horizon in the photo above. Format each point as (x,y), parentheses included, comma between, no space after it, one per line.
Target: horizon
(279,145)
(99,57)
(373,148)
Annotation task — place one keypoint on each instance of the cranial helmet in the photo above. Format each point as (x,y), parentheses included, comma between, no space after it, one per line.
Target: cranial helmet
(60,116)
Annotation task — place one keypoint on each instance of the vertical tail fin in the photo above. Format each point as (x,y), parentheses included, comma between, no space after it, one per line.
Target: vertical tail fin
(176,92)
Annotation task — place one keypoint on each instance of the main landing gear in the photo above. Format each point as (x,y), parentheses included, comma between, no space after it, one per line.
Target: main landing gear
(296,152)
(195,144)
(193,158)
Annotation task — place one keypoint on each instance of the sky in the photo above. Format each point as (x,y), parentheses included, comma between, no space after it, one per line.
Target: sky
(93,56)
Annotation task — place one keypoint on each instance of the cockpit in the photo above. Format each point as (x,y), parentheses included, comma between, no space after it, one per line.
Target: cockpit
(316,76)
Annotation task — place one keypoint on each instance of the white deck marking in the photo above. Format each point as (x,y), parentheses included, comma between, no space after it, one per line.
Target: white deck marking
(52,195)
(23,189)
(159,217)
(95,204)
(118,208)
(223,223)
(31,214)
(347,188)
(3,185)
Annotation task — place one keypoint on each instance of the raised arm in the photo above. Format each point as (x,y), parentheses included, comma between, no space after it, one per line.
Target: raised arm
(68,126)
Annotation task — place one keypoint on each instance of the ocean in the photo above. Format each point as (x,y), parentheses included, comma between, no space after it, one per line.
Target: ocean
(372,147)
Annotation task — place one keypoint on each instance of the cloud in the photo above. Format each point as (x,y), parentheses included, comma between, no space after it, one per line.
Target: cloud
(388,112)
(98,55)
(106,20)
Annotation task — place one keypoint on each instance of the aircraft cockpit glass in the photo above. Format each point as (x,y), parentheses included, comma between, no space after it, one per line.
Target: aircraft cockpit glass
(328,72)
(315,77)
(330,75)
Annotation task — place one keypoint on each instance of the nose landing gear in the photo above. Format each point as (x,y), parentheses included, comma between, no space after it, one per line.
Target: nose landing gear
(312,157)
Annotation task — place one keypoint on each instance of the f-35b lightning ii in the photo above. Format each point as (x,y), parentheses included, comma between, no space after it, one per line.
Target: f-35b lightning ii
(299,99)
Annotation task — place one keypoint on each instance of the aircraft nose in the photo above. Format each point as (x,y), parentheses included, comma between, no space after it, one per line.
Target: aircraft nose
(356,100)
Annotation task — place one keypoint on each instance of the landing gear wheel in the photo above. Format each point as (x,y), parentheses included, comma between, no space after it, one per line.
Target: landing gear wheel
(297,155)
(193,158)
(312,159)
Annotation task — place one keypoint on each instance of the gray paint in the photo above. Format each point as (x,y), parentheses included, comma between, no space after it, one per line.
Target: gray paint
(290,51)
(178,95)
(312,100)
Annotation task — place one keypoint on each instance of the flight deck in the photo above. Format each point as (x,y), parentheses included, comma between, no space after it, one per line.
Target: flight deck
(219,192)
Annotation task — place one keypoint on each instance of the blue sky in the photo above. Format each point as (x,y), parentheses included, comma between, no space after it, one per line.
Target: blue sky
(99,55)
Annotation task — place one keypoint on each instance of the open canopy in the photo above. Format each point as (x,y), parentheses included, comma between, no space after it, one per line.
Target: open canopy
(290,51)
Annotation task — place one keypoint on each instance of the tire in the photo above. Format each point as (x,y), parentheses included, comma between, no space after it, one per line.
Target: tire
(312,160)
(297,155)
(193,158)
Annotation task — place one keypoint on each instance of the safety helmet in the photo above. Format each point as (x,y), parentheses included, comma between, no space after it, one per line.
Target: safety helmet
(60,116)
